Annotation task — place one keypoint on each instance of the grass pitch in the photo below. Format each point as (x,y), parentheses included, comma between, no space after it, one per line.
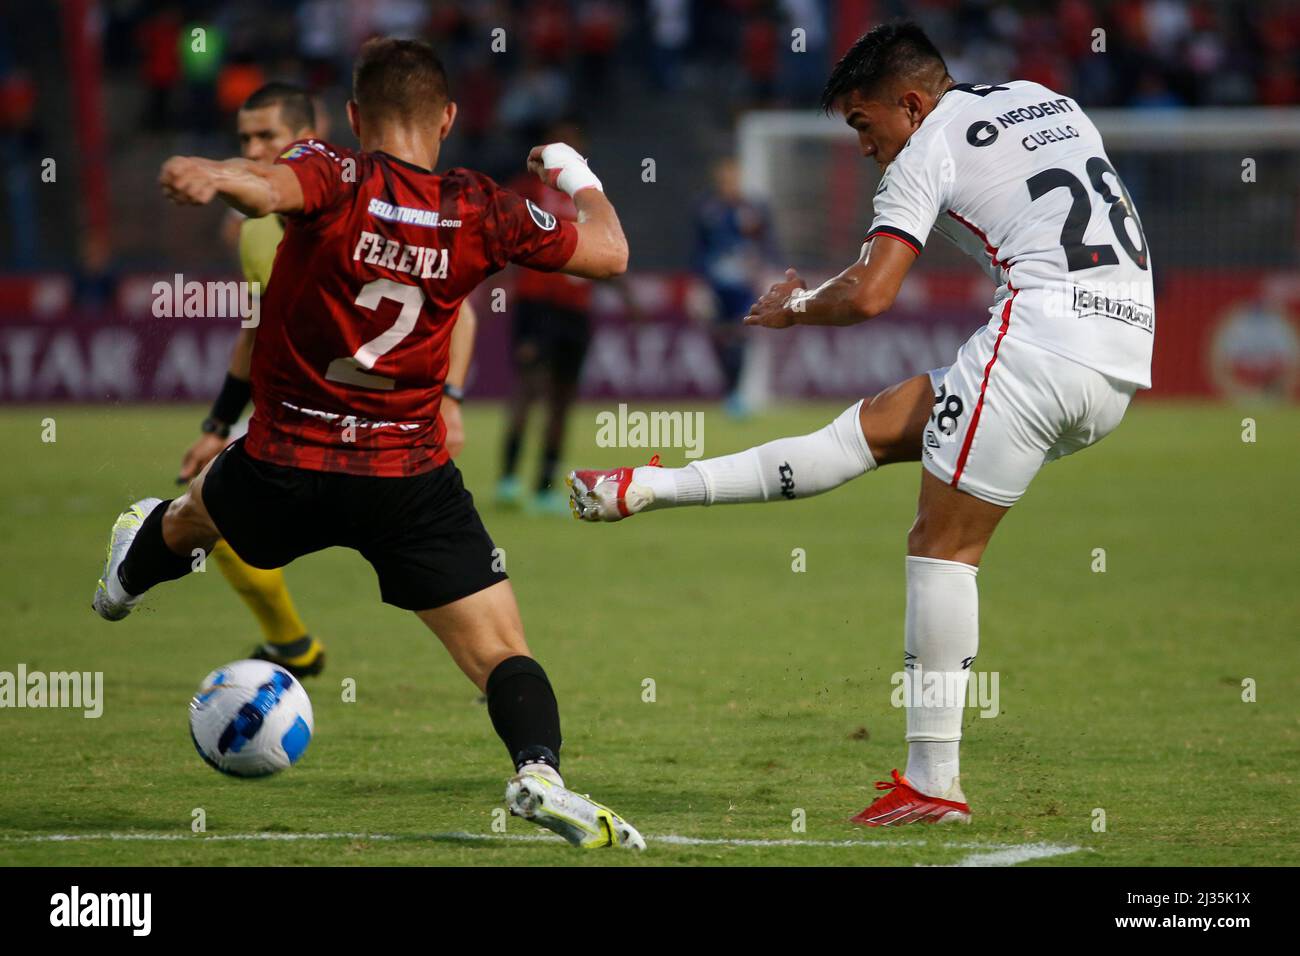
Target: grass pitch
(1121,692)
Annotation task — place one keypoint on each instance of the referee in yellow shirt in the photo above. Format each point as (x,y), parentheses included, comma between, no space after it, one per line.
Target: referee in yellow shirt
(273,117)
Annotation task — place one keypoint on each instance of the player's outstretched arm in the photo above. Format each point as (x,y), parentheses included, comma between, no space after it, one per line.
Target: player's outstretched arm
(602,251)
(862,291)
(255,189)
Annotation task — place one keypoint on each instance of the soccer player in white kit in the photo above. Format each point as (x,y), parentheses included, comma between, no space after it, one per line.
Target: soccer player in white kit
(1016,175)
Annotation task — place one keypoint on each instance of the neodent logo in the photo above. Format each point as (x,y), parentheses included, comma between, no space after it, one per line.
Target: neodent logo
(103,909)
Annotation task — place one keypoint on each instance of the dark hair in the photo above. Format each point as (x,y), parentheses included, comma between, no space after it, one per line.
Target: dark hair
(898,50)
(399,79)
(296,106)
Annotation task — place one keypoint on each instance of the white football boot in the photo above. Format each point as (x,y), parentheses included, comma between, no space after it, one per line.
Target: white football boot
(537,794)
(111,601)
(611,494)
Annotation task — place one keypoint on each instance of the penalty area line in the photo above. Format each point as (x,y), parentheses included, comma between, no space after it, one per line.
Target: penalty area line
(985,854)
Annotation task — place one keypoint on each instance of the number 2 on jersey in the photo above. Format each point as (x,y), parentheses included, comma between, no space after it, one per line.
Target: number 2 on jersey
(354,369)
(1078,254)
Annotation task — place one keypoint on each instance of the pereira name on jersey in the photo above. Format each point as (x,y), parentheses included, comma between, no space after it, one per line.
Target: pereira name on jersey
(1017,177)
(356,327)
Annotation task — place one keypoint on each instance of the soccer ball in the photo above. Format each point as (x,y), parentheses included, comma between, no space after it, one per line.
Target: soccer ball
(250,719)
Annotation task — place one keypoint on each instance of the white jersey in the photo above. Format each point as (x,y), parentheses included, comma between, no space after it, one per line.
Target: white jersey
(1016,176)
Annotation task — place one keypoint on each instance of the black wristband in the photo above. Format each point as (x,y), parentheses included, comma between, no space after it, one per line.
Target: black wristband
(211,426)
(232,400)
(454,392)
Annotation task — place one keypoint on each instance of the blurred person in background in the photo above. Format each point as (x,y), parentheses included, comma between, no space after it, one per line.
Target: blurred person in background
(537,96)
(202,49)
(19,139)
(322,31)
(670,35)
(397,18)
(237,80)
(158,39)
(760,47)
(801,69)
(549,336)
(600,26)
(734,247)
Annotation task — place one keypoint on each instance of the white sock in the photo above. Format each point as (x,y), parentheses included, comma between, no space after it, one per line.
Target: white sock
(942,638)
(786,468)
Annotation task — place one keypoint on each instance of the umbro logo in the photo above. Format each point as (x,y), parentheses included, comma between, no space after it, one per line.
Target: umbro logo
(787,480)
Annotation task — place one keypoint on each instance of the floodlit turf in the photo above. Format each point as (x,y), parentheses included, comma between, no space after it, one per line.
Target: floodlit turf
(1120,692)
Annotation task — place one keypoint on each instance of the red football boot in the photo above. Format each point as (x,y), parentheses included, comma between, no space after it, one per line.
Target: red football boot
(609,495)
(904,804)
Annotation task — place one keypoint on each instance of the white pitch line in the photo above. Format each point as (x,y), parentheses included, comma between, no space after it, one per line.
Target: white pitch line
(990,854)
(1012,855)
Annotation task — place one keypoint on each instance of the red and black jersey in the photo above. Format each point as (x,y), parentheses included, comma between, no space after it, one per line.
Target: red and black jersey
(356,323)
(565,291)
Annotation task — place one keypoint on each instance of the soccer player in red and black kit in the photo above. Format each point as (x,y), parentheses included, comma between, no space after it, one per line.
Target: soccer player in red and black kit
(346,447)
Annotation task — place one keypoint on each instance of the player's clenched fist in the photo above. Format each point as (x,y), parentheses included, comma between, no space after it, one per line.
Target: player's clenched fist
(776,309)
(187,181)
(560,166)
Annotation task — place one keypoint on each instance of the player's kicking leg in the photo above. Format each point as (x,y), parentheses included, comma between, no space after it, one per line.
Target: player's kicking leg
(485,636)
(1045,407)
(944,547)
(871,433)
(151,542)
(419,535)
(155,541)
(433,556)
(112,601)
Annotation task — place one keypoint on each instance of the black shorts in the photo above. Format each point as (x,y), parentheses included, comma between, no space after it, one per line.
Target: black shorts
(550,337)
(420,533)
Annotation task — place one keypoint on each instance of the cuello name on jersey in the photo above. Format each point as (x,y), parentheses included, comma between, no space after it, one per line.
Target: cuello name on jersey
(425,262)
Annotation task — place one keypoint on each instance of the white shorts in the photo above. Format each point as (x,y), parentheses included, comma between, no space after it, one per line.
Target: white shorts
(1005,407)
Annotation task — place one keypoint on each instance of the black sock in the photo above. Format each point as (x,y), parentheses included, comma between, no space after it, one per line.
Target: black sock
(524,712)
(550,460)
(513,441)
(149,561)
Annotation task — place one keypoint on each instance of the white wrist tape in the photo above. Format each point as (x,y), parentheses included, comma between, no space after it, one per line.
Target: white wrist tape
(566,170)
